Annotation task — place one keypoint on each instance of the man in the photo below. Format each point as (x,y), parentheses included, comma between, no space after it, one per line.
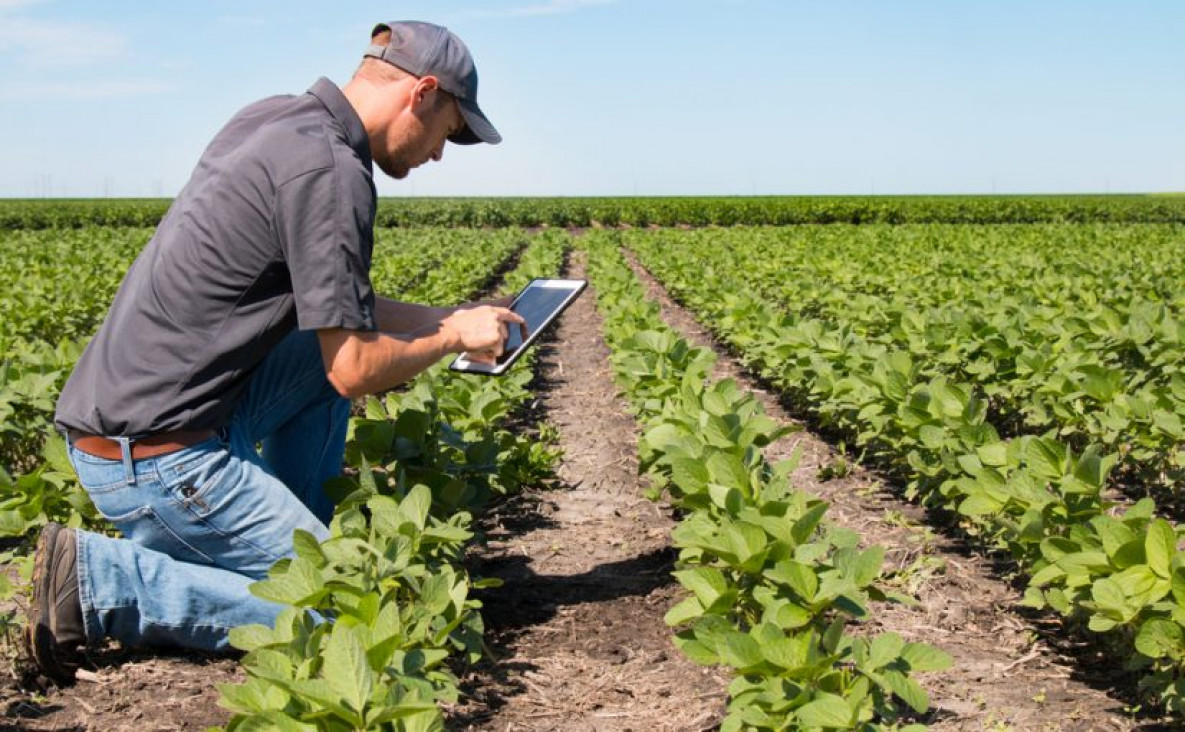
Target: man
(249,320)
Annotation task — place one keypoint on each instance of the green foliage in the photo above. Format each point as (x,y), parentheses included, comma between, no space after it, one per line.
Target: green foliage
(1012,404)
(389,581)
(50,492)
(669,211)
(1073,330)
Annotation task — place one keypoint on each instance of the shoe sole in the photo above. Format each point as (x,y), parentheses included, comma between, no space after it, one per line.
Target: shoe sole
(38,638)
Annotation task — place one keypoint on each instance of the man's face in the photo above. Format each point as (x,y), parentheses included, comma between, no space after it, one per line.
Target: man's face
(420,133)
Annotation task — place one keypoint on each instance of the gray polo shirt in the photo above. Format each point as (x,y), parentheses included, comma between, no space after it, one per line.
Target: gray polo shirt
(274,231)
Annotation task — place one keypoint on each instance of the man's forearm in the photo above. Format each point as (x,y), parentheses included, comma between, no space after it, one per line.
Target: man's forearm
(358,363)
(392,316)
(366,363)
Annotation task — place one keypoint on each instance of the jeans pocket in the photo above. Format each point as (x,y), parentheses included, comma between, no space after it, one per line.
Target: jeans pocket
(98,475)
(145,527)
(199,485)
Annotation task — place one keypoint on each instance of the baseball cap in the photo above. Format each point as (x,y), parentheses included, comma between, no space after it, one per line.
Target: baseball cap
(424,49)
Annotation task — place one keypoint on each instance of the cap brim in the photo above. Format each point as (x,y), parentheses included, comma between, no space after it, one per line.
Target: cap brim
(477,127)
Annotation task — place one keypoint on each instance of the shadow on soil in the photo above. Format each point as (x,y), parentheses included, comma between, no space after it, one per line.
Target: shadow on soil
(529,598)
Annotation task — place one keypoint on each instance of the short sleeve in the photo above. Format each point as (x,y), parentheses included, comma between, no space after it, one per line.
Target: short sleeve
(324,223)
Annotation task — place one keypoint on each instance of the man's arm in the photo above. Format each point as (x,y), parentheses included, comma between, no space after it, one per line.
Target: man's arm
(393,316)
(359,363)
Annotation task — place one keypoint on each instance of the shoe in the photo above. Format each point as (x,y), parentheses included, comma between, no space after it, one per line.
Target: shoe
(55,630)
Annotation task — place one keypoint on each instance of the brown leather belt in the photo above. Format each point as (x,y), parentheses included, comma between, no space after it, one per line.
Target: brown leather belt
(145,447)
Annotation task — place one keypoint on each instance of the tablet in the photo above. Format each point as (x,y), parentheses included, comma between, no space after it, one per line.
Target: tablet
(540,303)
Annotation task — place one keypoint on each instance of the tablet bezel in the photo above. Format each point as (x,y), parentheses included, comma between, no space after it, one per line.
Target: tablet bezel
(574,288)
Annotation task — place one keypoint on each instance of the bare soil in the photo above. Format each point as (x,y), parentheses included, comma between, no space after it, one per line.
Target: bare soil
(1014,670)
(132,692)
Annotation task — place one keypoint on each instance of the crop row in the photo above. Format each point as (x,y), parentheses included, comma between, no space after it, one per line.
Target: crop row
(1114,570)
(773,588)
(660,211)
(391,577)
(1075,330)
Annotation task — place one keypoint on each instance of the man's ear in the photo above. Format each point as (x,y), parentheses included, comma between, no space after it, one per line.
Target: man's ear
(424,85)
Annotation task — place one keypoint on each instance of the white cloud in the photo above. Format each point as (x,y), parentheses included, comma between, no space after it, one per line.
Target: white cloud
(6,5)
(81,90)
(46,43)
(547,7)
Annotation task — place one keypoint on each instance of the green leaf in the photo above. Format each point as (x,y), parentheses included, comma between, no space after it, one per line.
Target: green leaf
(299,584)
(708,583)
(698,652)
(925,657)
(994,454)
(1161,638)
(826,710)
(318,692)
(1108,594)
(932,437)
(727,499)
(55,453)
(884,649)
(727,469)
(1047,457)
(908,690)
(865,566)
(273,721)
(345,667)
(416,505)
(689,475)
(741,651)
(1160,546)
(796,575)
(805,526)
(253,696)
(980,504)
(308,548)
(685,611)
(1178,585)
(250,637)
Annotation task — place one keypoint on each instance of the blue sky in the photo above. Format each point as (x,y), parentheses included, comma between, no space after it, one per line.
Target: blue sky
(624,97)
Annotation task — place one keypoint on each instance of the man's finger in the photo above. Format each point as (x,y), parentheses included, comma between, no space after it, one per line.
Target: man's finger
(509,316)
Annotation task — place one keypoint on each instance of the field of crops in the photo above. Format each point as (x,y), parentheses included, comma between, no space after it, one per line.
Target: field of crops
(1014,365)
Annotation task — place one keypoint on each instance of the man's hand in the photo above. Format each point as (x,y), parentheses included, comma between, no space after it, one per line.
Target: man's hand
(482,330)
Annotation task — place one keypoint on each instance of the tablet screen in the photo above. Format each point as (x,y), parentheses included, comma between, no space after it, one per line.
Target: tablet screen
(539,304)
(535,304)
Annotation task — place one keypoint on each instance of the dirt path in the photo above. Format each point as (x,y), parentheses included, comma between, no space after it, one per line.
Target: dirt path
(130,692)
(577,628)
(1011,672)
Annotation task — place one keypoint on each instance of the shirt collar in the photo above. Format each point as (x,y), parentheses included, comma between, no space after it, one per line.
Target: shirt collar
(342,111)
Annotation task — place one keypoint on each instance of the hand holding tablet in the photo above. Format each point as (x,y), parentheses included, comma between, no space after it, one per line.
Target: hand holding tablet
(540,303)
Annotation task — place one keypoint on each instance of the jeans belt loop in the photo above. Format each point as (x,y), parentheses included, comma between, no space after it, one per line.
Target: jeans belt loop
(125,449)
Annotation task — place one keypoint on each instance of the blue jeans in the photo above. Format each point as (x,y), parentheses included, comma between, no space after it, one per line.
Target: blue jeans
(203,523)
